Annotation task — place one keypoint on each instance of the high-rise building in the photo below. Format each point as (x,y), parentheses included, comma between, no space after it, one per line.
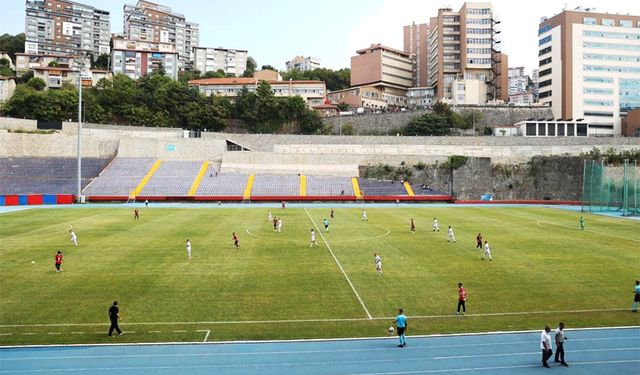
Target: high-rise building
(535,81)
(388,70)
(518,81)
(136,58)
(231,61)
(66,28)
(303,63)
(462,47)
(416,44)
(590,67)
(151,22)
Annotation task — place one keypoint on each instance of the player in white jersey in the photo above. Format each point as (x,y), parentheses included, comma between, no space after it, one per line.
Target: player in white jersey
(364,215)
(378,261)
(435,225)
(270,217)
(450,236)
(487,251)
(279,224)
(313,239)
(74,238)
(188,249)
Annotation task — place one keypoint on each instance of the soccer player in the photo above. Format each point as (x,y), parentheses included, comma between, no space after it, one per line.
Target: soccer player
(146,203)
(236,240)
(114,316)
(378,261)
(74,237)
(413,227)
(136,214)
(487,250)
(188,249)
(269,217)
(326,225)
(364,215)
(435,225)
(279,224)
(401,327)
(479,241)
(581,222)
(58,259)
(313,238)
(462,298)
(450,236)
(560,339)
(332,214)
(284,205)
(636,297)
(275,224)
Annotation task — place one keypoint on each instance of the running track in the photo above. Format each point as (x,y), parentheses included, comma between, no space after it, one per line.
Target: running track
(592,351)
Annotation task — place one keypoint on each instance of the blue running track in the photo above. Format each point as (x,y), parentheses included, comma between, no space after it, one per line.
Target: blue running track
(592,351)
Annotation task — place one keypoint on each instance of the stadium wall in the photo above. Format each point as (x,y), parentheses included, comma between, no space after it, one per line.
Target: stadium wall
(9,123)
(54,145)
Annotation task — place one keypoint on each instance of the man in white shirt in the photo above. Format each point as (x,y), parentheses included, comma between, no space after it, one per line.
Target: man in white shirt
(74,238)
(378,261)
(269,217)
(364,215)
(560,338)
(545,345)
(313,239)
(279,225)
(435,225)
(188,249)
(487,250)
(451,237)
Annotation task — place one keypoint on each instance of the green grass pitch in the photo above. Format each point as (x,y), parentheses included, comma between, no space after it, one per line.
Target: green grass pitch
(276,287)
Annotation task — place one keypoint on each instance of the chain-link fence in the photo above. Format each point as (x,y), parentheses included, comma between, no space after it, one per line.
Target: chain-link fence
(611,188)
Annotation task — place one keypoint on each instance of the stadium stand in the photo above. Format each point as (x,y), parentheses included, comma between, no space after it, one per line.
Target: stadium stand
(370,187)
(121,177)
(46,175)
(329,186)
(276,185)
(173,178)
(217,184)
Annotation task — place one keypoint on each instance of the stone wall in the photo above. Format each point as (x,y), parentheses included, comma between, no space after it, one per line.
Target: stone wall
(389,123)
(10,123)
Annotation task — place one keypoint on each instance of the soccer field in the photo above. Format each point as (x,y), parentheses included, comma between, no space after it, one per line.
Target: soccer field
(276,287)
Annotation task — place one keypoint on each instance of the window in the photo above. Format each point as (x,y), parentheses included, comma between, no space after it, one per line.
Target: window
(626,24)
(551,129)
(544,40)
(589,21)
(582,130)
(561,130)
(610,35)
(531,129)
(598,103)
(544,29)
(608,22)
(571,130)
(544,72)
(542,129)
(544,61)
(545,83)
(544,94)
(598,91)
(544,51)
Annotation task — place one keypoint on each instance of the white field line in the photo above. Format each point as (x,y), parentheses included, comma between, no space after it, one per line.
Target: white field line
(50,226)
(206,337)
(535,353)
(339,265)
(284,321)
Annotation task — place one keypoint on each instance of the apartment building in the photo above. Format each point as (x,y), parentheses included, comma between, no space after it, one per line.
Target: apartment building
(136,58)
(519,87)
(66,27)
(462,47)
(29,61)
(416,44)
(56,77)
(387,69)
(231,61)
(589,67)
(151,22)
(303,63)
(369,98)
(420,97)
(7,87)
(313,92)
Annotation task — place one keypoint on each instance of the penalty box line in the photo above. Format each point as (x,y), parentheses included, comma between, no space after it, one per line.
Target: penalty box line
(353,288)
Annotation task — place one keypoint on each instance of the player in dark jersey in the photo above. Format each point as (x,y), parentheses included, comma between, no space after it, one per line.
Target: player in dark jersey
(58,259)
(236,240)
(479,241)
(413,226)
(136,214)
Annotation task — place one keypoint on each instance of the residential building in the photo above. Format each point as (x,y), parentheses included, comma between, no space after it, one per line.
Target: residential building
(420,97)
(369,98)
(521,99)
(4,55)
(313,92)
(387,69)
(631,124)
(462,46)
(551,128)
(519,87)
(136,58)
(7,87)
(327,109)
(303,63)
(590,67)
(56,77)
(66,27)
(416,44)
(535,81)
(29,61)
(267,75)
(231,61)
(155,23)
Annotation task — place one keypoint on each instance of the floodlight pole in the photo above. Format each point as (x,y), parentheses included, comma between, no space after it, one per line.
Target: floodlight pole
(79,193)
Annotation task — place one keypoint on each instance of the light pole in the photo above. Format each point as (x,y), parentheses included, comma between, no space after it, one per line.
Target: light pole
(79,192)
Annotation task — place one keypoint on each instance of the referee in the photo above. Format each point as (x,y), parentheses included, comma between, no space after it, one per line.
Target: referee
(401,326)
(114,316)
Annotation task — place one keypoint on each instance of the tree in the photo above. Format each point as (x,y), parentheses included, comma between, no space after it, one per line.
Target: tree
(428,124)
(251,67)
(102,62)
(12,44)
(335,80)
(53,64)
(268,67)
(471,118)
(37,84)
(5,68)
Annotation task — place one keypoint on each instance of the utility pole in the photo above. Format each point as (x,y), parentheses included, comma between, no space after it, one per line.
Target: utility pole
(79,192)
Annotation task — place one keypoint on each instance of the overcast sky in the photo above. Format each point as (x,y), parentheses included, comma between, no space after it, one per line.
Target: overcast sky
(275,31)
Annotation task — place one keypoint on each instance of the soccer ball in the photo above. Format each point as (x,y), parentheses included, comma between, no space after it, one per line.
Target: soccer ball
(391,330)
(33,262)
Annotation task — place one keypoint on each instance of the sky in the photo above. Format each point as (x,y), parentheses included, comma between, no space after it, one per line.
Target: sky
(275,31)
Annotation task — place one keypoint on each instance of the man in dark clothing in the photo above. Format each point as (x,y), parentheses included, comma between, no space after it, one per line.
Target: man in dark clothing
(114,316)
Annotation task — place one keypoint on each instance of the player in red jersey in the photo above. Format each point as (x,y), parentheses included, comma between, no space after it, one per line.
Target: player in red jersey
(479,241)
(462,298)
(136,214)
(58,259)
(413,226)
(236,240)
